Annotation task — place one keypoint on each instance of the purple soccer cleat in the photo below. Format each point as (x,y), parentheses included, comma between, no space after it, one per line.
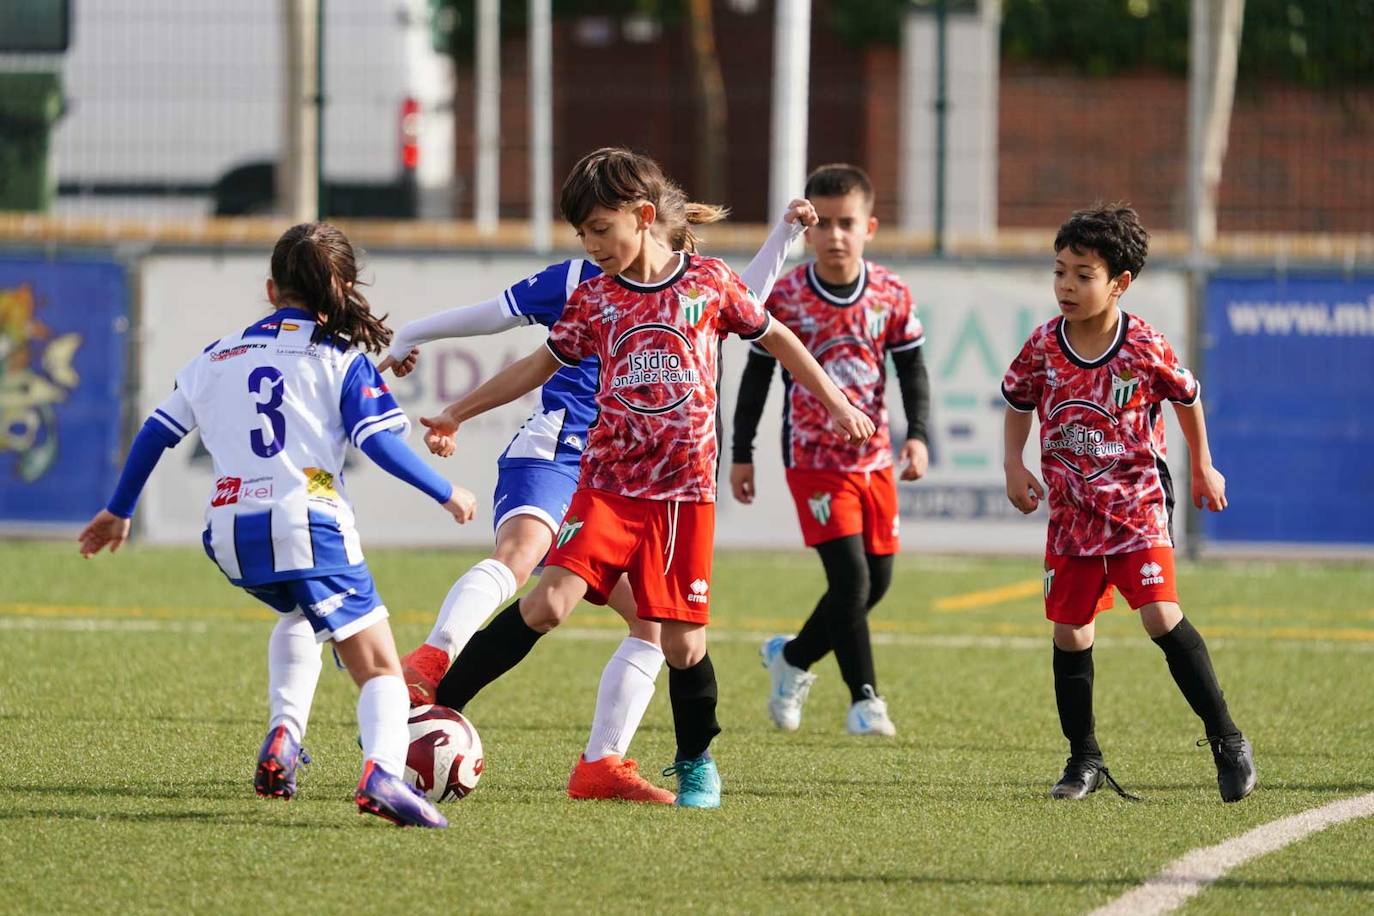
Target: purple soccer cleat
(389,797)
(277,762)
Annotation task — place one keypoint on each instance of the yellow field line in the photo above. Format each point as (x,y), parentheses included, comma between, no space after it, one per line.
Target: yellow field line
(987,596)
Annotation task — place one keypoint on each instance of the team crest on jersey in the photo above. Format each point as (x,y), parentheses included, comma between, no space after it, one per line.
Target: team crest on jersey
(568,531)
(876,315)
(819,504)
(693,304)
(319,483)
(1124,388)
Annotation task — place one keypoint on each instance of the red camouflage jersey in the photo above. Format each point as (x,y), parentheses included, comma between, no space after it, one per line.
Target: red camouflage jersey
(1102,435)
(655,436)
(850,338)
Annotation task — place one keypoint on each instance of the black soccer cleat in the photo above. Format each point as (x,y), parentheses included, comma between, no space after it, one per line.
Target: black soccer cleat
(1235,762)
(1082,777)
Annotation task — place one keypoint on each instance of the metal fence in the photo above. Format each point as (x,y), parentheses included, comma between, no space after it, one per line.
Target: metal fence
(175,109)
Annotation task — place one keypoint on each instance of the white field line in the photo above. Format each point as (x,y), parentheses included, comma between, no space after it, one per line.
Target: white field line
(1190,875)
(609,633)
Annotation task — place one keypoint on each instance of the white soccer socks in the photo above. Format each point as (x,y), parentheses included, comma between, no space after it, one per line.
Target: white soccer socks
(473,598)
(293,670)
(383,716)
(627,686)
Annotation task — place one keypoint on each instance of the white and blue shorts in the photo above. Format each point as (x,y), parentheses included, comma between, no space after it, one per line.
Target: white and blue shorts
(540,490)
(337,606)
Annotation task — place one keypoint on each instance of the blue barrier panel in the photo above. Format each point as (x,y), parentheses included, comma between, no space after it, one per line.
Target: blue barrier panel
(63,327)
(1289,384)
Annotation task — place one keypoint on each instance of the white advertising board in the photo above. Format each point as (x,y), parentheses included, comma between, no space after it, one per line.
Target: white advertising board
(976,318)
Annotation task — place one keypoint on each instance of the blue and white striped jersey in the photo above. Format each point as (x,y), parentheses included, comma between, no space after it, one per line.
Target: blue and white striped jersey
(277,410)
(557,430)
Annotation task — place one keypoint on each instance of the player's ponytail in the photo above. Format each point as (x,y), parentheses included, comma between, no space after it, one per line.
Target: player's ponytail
(314,268)
(614,177)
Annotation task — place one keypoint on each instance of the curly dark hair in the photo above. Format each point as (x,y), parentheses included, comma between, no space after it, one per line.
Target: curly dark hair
(1112,232)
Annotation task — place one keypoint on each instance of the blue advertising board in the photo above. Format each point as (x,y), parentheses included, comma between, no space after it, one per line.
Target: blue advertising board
(63,331)
(1288,383)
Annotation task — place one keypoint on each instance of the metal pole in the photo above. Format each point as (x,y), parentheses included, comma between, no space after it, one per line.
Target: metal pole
(541,124)
(488,171)
(941,117)
(1199,92)
(791,76)
(1199,73)
(321,201)
(298,166)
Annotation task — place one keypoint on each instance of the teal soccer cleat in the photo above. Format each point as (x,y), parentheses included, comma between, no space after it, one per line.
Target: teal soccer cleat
(698,782)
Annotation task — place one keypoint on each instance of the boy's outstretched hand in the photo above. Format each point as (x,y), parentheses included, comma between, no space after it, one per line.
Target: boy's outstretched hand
(400,368)
(106,529)
(1209,488)
(440,434)
(462,505)
(801,211)
(1024,491)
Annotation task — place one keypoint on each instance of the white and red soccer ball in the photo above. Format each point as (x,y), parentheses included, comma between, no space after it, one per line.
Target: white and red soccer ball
(445,756)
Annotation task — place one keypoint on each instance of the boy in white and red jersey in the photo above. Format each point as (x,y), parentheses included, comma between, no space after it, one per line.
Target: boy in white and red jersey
(645,502)
(1096,377)
(851,314)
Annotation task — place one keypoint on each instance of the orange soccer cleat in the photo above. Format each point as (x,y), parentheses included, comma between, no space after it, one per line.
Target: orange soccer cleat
(611,777)
(423,669)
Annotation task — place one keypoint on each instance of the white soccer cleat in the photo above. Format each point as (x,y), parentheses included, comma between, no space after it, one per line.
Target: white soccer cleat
(869,716)
(790,685)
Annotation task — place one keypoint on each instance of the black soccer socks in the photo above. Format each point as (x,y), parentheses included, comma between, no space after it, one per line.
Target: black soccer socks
(1191,666)
(1073,693)
(693,695)
(492,651)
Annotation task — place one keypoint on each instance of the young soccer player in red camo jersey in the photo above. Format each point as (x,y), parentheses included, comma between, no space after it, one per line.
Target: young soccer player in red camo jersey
(850,314)
(645,501)
(1096,377)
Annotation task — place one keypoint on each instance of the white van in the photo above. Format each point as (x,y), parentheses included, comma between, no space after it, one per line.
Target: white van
(174,108)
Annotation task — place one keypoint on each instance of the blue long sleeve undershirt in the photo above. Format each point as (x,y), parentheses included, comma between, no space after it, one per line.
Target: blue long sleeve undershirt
(390,453)
(144,454)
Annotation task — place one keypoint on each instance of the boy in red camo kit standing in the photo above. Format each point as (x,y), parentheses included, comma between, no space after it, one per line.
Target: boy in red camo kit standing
(1096,378)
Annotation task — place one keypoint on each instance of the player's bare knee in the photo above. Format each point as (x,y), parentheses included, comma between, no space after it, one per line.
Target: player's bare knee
(683,645)
(542,610)
(1071,638)
(1160,617)
(683,655)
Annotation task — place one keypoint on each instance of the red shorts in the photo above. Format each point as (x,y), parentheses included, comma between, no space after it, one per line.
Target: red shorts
(1077,589)
(665,546)
(836,504)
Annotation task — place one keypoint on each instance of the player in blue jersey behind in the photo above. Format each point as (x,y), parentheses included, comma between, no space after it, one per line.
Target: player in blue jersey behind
(538,473)
(277,406)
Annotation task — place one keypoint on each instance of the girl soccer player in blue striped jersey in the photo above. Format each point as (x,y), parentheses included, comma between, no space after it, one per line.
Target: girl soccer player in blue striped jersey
(538,473)
(277,405)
